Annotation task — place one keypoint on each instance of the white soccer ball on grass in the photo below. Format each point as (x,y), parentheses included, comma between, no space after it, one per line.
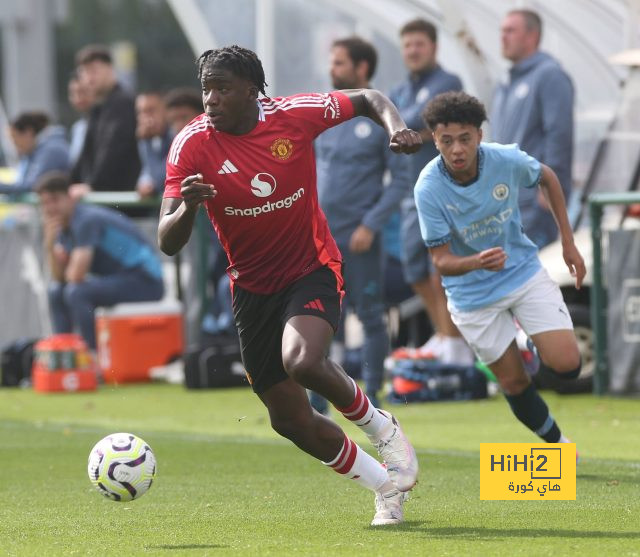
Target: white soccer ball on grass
(122,466)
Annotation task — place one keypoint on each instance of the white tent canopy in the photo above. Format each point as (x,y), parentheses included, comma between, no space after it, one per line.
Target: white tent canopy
(292,37)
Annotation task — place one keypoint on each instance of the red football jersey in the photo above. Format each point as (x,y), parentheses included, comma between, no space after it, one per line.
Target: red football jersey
(266,212)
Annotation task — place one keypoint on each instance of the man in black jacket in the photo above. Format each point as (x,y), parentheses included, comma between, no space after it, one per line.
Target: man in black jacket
(109,158)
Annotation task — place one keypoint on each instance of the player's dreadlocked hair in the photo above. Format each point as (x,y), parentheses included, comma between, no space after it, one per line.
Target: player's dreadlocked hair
(238,60)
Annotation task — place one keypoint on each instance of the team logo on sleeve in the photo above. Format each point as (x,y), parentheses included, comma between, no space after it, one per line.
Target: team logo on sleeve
(331,107)
(500,192)
(282,148)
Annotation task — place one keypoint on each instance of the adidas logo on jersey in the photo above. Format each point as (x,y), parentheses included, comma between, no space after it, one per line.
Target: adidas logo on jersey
(227,168)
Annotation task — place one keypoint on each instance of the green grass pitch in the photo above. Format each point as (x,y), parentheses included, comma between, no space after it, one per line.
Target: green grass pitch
(228,485)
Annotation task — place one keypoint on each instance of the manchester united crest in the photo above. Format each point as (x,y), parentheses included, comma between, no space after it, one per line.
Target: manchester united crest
(282,148)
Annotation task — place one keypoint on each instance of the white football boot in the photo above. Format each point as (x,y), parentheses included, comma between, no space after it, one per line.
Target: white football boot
(397,453)
(389,508)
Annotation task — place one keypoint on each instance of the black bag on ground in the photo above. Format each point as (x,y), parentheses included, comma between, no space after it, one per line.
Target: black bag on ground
(430,381)
(16,360)
(214,363)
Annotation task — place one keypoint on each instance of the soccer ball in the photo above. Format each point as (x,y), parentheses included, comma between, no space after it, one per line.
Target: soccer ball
(122,466)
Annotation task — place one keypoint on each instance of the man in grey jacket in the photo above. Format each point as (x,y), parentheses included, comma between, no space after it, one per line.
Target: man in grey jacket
(425,79)
(352,160)
(534,109)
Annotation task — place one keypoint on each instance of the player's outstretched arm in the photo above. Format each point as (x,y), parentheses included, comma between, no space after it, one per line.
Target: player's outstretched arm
(552,191)
(378,107)
(177,215)
(449,264)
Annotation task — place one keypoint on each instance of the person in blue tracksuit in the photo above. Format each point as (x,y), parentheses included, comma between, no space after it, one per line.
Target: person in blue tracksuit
(41,147)
(154,140)
(97,257)
(534,108)
(352,160)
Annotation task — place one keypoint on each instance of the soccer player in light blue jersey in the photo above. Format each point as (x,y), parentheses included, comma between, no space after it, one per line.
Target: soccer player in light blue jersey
(467,201)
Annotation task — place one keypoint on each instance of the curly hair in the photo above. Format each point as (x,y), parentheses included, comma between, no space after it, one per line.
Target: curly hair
(240,61)
(35,121)
(454,107)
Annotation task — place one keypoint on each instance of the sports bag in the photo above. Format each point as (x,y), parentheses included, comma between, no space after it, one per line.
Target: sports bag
(214,363)
(429,380)
(16,360)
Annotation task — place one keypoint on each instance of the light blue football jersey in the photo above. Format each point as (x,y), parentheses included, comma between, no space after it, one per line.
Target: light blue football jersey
(478,216)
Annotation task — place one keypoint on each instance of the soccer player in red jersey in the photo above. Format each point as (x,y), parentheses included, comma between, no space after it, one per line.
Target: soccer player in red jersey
(250,161)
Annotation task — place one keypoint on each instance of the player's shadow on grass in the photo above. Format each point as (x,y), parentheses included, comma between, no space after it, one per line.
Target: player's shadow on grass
(486,534)
(187,546)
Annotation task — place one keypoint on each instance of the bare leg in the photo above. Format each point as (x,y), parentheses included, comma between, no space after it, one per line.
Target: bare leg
(558,350)
(292,417)
(305,343)
(509,371)
(435,303)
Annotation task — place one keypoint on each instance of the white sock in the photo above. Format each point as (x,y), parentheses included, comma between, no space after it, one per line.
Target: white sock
(363,414)
(355,464)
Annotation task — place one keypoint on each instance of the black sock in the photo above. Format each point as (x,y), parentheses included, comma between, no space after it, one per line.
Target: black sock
(573,374)
(533,412)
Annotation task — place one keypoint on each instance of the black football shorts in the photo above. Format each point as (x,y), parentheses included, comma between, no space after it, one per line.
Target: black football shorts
(260,320)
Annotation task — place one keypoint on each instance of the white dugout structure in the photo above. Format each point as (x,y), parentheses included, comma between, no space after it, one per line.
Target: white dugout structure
(292,38)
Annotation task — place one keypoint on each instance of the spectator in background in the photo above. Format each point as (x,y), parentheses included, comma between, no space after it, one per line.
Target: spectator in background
(183,105)
(109,160)
(534,109)
(81,100)
(41,147)
(396,289)
(97,257)
(154,140)
(426,79)
(352,160)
